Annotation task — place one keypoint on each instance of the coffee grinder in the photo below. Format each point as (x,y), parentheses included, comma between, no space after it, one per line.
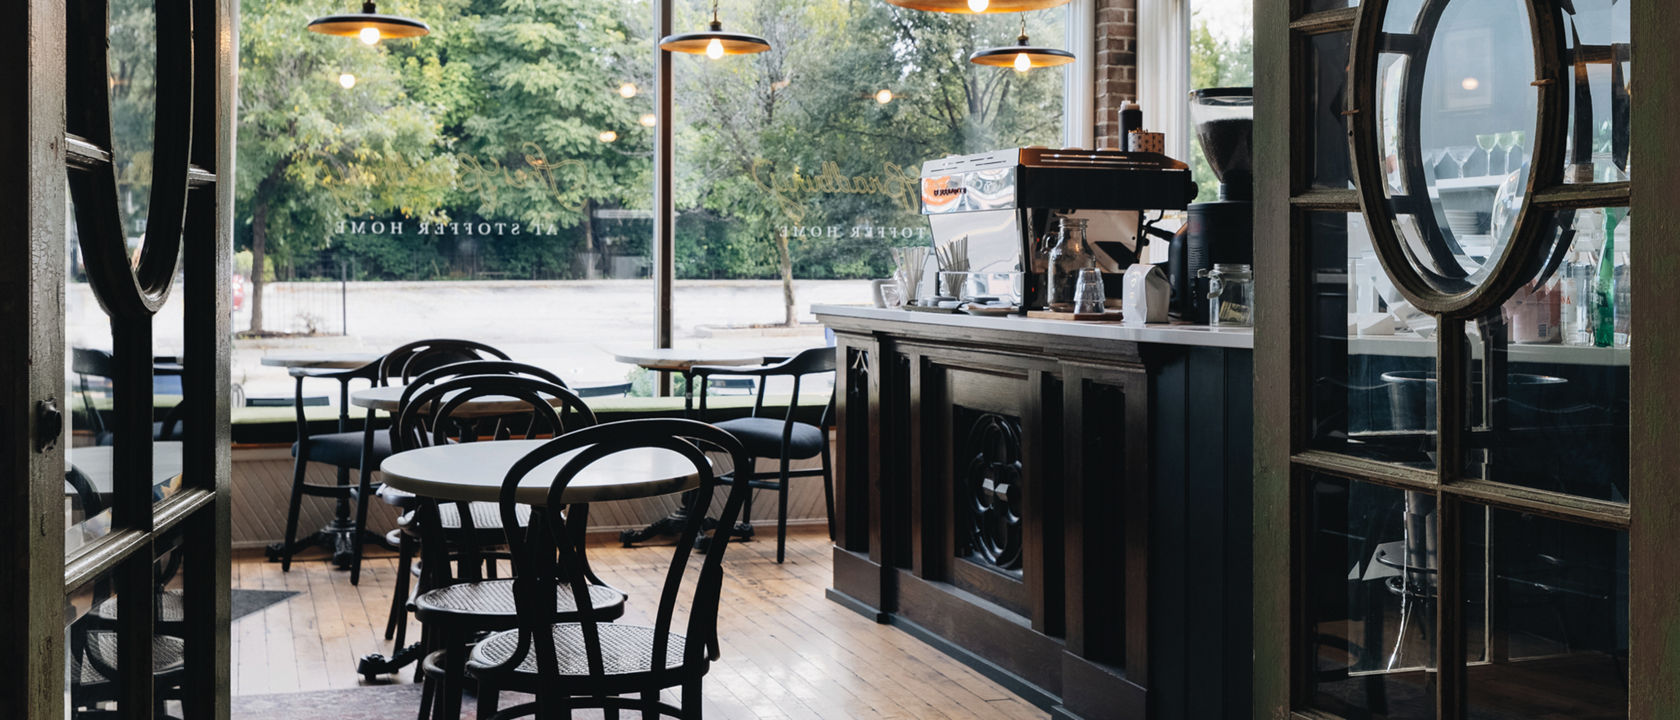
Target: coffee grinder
(1219,232)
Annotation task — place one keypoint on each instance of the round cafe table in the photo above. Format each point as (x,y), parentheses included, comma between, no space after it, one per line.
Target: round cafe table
(473,472)
(682,361)
(319,359)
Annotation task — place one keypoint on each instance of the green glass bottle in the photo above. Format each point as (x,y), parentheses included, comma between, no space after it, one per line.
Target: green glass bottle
(1604,289)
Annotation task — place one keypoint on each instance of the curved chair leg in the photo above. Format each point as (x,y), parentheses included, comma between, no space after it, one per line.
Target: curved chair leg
(608,712)
(397,622)
(300,469)
(828,485)
(363,490)
(650,705)
(489,699)
(691,700)
(781,513)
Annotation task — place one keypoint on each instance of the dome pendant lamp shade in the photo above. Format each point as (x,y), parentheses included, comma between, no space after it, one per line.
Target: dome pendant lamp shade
(977,7)
(1022,56)
(714,42)
(369,25)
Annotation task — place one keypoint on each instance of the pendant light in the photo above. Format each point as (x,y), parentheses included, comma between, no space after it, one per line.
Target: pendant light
(368,25)
(1022,56)
(977,7)
(714,42)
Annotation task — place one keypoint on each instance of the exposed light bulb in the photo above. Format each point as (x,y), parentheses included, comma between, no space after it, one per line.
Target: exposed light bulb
(714,49)
(608,136)
(627,90)
(978,6)
(1470,83)
(347,81)
(649,120)
(1022,62)
(884,96)
(369,35)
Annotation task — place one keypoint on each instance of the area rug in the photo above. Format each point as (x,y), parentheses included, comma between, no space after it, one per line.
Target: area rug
(398,701)
(246,602)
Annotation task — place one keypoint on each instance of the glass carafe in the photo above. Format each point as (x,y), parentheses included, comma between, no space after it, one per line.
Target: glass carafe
(1070,255)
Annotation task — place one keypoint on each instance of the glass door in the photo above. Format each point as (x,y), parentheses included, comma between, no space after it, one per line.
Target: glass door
(119,327)
(1452,314)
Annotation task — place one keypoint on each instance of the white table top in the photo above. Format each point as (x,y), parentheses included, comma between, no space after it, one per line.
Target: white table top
(388,398)
(319,359)
(681,359)
(95,463)
(474,472)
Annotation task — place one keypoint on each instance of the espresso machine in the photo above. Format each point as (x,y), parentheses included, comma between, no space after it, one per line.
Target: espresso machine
(1219,232)
(1006,202)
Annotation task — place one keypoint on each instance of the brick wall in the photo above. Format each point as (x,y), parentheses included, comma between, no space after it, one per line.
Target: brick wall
(1116,66)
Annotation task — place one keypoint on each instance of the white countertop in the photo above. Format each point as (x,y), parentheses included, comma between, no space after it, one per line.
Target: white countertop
(1201,335)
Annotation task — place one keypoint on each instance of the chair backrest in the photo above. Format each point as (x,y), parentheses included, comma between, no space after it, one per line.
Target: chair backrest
(477,367)
(812,361)
(439,412)
(404,363)
(547,555)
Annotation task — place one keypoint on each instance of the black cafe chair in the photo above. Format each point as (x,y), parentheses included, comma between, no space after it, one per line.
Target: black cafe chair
(590,663)
(488,530)
(784,438)
(363,449)
(454,607)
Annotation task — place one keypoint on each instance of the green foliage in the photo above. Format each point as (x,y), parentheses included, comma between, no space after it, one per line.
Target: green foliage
(498,117)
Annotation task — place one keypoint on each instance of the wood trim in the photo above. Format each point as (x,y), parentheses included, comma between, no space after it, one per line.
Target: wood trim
(31,501)
(1327,200)
(1280,111)
(1584,195)
(1395,476)
(1321,23)
(1654,521)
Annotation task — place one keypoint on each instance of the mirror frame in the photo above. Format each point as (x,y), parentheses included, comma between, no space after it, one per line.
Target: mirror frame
(1521,256)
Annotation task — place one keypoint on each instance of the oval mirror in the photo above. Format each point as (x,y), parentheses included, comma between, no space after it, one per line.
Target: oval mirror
(1444,145)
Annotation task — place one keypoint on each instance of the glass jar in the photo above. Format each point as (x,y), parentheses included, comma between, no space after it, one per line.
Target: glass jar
(1070,255)
(1230,295)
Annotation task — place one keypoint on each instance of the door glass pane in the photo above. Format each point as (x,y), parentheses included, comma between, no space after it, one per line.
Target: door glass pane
(1370,599)
(89,400)
(1546,610)
(132,64)
(169,402)
(1555,415)
(91,680)
(169,628)
(1443,118)
(1370,351)
(1598,118)
(1328,55)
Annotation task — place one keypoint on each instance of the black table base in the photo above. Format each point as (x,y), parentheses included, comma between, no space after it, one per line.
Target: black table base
(337,536)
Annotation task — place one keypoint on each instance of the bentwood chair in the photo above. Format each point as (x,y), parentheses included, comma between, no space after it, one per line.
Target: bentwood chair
(588,663)
(406,535)
(453,608)
(363,449)
(785,438)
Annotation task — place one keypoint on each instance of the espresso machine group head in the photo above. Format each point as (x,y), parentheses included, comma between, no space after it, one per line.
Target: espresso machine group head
(1005,202)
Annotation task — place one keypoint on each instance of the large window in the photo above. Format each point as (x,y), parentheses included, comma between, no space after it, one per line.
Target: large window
(494,179)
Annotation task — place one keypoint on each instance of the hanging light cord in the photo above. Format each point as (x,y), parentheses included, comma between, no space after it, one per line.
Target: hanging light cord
(716,23)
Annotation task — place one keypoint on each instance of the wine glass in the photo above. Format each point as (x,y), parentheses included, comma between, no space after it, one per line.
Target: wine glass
(1508,141)
(1486,142)
(1460,154)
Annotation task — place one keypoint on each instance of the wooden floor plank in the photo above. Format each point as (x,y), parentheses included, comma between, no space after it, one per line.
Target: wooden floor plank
(788,652)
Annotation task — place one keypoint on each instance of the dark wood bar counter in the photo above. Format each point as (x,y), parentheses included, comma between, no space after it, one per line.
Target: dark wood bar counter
(1065,506)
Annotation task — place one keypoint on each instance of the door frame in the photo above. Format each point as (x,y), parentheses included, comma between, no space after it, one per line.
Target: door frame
(1283,123)
(35,156)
